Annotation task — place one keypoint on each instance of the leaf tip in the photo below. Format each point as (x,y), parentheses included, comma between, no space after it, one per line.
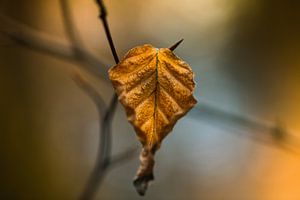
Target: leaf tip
(141,184)
(145,172)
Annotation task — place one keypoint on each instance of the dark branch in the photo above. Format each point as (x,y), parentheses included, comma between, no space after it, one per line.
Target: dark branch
(104,153)
(113,103)
(102,16)
(106,147)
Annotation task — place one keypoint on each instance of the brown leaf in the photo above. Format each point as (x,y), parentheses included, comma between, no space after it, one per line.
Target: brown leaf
(156,89)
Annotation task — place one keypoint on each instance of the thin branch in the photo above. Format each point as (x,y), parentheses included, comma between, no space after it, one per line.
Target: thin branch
(122,157)
(104,152)
(107,120)
(265,132)
(114,102)
(43,43)
(102,16)
(90,91)
(74,51)
(69,25)
(104,161)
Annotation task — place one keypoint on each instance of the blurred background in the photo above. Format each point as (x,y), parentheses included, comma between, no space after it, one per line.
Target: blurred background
(240,142)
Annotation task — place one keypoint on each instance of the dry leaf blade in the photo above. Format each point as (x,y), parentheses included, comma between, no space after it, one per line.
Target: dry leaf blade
(156,89)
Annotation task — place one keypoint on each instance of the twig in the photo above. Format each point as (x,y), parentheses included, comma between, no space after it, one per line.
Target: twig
(75,51)
(104,159)
(113,103)
(69,26)
(91,92)
(122,157)
(102,16)
(43,43)
(266,132)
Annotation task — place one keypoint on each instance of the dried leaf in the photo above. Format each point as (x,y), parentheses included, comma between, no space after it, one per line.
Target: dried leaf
(156,89)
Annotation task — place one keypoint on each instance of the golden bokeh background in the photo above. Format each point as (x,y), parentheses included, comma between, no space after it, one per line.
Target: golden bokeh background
(246,56)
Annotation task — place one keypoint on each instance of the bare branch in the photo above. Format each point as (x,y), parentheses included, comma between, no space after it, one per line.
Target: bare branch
(265,132)
(104,153)
(90,91)
(102,16)
(122,157)
(74,51)
(44,43)
(114,102)
(69,25)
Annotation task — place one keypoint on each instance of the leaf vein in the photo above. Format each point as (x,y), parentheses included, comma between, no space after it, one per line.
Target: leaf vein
(175,78)
(171,96)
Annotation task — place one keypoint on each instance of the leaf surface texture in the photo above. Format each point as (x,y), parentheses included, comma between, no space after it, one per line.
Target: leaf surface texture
(156,89)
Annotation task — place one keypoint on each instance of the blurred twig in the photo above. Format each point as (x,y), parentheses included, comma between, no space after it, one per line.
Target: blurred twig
(75,51)
(91,92)
(32,39)
(270,133)
(104,158)
(69,27)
